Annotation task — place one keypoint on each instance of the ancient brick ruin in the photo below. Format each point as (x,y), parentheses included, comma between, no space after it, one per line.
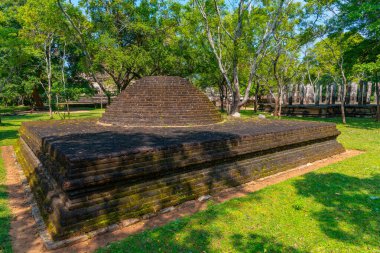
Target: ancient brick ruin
(87,174)
(161,101)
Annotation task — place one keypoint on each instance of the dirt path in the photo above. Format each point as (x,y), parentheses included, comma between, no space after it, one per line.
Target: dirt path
(24,233)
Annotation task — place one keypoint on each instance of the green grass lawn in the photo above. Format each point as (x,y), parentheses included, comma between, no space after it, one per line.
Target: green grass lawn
(13,109)
(10,124)
(335,209)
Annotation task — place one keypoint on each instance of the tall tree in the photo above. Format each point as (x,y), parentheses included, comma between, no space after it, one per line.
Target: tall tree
(232,31)
(41,24)
(371,72)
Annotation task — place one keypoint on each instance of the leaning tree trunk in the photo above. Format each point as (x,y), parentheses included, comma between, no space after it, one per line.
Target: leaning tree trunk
(256,97)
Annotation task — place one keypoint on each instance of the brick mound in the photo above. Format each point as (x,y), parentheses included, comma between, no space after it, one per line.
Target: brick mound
(86,176)
(161,101)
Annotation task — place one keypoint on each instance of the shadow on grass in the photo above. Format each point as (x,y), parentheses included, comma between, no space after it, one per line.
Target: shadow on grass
(350,213)
(164,239)
(351,206)
(258,243)
(8,135)
(197,234)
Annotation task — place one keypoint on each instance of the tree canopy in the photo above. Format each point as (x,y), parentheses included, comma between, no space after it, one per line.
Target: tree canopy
(56,50)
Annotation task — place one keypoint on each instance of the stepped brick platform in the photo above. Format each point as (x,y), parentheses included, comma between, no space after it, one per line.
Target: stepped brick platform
(161,101)
(86,176)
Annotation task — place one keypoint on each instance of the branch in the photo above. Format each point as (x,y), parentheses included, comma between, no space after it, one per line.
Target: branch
(212,43)
(270,29)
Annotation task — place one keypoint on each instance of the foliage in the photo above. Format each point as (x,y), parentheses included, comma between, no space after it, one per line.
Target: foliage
(62,49)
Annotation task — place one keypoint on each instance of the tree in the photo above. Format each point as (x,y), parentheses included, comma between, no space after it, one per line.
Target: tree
(18,66)
(371,72)
(314,72)
(331,55)
(284,54)
(233,31)
(42,26)
(128,39)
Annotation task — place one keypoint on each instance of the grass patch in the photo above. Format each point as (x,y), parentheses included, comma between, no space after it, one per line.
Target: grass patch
(10,124)
(13,109)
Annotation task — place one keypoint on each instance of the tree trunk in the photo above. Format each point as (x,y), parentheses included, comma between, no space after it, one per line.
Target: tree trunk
(378,101)
(275,112)
(37,101)
(279,102)
(256,97)
(342,107)
(64,81)
(235,104)
(48,44)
